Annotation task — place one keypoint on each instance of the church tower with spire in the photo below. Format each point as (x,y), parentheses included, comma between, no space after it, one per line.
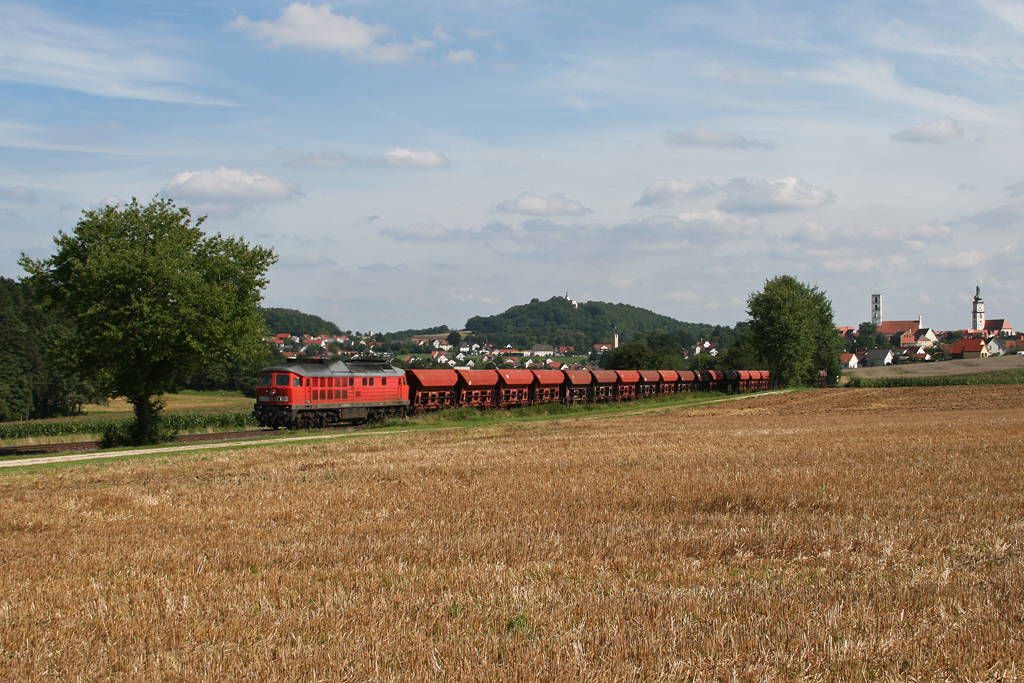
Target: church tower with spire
(978,311)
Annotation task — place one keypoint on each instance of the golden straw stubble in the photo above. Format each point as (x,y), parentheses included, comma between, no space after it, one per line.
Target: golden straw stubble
(827,535)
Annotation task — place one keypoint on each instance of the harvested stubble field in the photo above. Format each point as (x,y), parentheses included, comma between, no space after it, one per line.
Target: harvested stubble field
(827,535)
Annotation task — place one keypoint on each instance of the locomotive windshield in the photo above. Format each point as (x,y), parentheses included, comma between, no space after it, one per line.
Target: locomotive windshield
(281,380)
(265,380)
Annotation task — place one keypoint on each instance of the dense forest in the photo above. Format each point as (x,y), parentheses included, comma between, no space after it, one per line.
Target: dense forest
(559,323)
(35,383)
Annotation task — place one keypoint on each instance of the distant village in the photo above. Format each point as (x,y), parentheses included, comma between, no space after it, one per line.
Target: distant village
(434,350)
(911,341)
(880,342)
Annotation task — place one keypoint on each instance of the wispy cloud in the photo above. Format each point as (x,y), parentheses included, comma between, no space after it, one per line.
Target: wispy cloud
(42,49)
(461,57)
(936,132)
(318,28)
(665,191)
(422,158)
(531,204)
(18,193)
(702,136)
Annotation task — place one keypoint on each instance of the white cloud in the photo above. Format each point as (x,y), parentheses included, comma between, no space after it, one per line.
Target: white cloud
(719,223)
(318,28)
(702,136)
(477,33)
(43,49)
(422,158)
(229,186)
(1011,12)
(931,231)
(532,204)
(752,195)
(960,261)
(621,282)
(439,34)
(461,57)
(664,191)
(18,193)
(936,132)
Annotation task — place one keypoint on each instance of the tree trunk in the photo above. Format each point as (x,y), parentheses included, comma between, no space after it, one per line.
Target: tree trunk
(147,415)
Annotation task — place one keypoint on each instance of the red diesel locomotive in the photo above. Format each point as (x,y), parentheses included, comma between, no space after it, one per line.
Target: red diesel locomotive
(316,393)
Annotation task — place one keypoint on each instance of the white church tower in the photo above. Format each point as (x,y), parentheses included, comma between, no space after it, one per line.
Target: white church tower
(978,311)
(876,309)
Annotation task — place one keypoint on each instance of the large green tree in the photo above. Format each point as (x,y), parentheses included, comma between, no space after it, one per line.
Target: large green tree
(793,330)
(154,300)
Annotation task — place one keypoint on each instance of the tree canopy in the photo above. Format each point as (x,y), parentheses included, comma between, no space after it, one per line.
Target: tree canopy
(154,300)
(793,330)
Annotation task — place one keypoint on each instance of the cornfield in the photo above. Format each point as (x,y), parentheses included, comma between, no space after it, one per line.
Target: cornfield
(976,379)
(179,421)
(832,535)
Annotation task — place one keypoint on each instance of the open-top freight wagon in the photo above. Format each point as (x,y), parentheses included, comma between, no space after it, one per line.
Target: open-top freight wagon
(316,393)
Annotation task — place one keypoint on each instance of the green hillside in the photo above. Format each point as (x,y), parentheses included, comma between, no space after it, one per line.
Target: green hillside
(557,322)
(298,323)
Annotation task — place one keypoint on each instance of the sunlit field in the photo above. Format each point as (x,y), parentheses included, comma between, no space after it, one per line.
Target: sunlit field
(837,535)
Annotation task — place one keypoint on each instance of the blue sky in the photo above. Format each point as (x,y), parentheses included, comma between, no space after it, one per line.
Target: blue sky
(418,163)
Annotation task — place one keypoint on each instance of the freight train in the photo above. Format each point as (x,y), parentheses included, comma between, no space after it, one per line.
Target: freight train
(316,393)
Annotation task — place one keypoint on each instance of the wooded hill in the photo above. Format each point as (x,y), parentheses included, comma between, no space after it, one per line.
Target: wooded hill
(290,321)
(559,323)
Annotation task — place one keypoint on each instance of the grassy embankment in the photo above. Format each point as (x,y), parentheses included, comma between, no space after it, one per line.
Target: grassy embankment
(827,535)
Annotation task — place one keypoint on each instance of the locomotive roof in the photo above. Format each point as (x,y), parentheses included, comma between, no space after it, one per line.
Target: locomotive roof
(316,367)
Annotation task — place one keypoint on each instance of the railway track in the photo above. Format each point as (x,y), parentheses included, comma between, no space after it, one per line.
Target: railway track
(42,448)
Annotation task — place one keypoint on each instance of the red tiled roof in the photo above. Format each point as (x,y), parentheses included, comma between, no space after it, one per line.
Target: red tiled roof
(968,346)
(891,327)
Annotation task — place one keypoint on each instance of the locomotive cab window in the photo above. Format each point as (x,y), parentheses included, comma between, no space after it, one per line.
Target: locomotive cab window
(281,380)
(297,382)
(265,380)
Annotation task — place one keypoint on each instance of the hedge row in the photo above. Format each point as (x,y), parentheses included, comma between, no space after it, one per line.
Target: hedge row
(176,421)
